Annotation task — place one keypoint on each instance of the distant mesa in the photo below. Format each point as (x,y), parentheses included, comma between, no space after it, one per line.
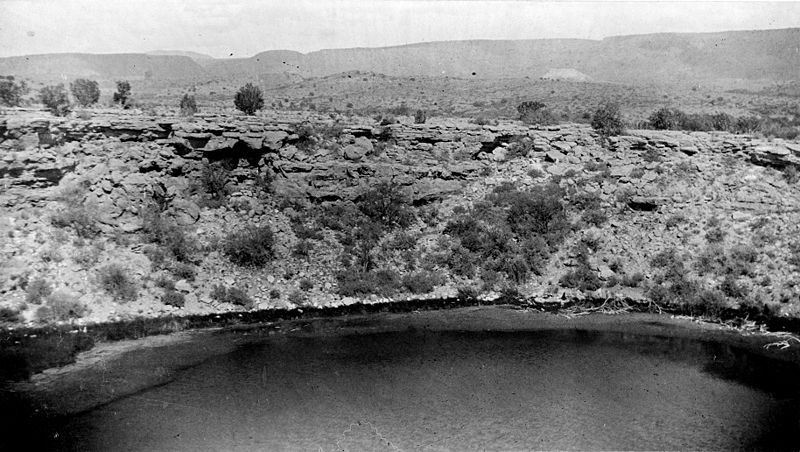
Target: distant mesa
(566,74)
(690,58)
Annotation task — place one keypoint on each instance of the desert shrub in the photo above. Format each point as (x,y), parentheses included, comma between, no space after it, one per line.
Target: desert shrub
(594,216)
(114,279)
(582,278)
(86,92)
(173,298)
(539,211)
(9,315)
(165,282)
(607,120)
(86,256)
(61,306)
(666,119)
(188,105)
(306,284)
(263,182)
(232,295)
(213,183)
(674,220)
(11,92)
(249,99)
(184,271)
(467,293)
(37,290)
(274,294)
(79,218)
(715,235)
(386,205)
(251,246)
(122,95)
(421,282)
(732,288)
(420,117)
(632,280)
(791,175)
(55,99)
(536,113)
(168,235)
(157,255)
(302,249)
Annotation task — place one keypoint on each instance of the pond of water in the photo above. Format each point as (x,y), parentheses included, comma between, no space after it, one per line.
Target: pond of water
(423,390)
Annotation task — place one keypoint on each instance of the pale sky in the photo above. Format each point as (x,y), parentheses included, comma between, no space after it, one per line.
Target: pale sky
(245,27)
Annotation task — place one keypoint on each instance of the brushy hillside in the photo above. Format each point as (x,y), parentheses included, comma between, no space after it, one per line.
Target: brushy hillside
(123,216)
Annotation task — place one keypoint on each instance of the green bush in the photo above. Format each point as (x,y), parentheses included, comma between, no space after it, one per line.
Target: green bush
(114,279)
(81,219)
(386,205)
(607,120)
(55,99)
(306,284)
(61,306)
(11,92)
(249,99)
(37,290)
(173,298)
(9,315)
(184,271)
(86,92)
(188,105)
(667,119)
(537,113)
(582,278)
(214,184)
(251,246)
(421,282)
(123,93)
(233,296)
(420,117)
(171,237)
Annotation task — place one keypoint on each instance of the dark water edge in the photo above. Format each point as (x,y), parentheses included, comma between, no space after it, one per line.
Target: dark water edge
(312,360)
(32,421)
(26,351)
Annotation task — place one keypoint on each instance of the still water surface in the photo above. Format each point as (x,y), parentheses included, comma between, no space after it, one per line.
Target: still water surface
(562,389)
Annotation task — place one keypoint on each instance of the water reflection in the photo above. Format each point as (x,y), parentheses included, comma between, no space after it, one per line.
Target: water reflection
(563,389)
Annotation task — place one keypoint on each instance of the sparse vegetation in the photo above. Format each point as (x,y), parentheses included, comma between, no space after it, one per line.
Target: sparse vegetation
(114,279)
(55,98)
(86,92)
(11,91)
(232,295)
(188,105)
(123,94)
(249,99)
(37,290)
(607,120)
(251,246)
(61,306)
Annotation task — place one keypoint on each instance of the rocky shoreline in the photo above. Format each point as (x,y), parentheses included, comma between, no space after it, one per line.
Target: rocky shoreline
(660,190)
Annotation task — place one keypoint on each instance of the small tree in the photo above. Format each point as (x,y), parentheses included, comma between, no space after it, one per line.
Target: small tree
(667,119)
(55,99)
(86,92)
(188,105)
(11,92)
(122,96)
(533,112)
(607,120)
(249,99)
(420,117)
